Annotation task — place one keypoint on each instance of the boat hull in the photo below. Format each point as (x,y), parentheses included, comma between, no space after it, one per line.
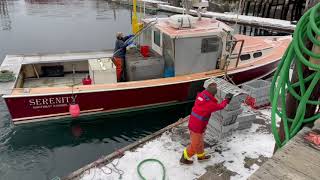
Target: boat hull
(25,109)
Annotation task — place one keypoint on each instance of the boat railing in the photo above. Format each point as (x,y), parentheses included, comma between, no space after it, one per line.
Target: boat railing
(240,50)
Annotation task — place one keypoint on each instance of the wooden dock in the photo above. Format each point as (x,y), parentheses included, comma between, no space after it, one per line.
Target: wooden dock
(296,160)
(267,23)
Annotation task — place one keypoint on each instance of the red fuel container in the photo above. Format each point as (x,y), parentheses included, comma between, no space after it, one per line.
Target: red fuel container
(144,51)
(87,81)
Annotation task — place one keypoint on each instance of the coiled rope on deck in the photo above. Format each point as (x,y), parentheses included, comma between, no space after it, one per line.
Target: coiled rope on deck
(306,29)
(6,76)
(151,160)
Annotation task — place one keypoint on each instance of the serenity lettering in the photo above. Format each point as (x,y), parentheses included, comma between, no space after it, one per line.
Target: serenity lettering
(49,102)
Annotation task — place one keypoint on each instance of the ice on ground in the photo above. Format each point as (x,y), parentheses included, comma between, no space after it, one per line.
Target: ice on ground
(167,148)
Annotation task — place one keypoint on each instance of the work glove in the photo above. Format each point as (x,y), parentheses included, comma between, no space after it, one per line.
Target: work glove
(229,96)
(130,36)
(129,41)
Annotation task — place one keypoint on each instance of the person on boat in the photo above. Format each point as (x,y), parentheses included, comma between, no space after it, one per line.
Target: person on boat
(205,104)
(120,54)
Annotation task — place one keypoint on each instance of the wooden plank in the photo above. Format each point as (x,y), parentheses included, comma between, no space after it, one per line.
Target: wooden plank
(296,160)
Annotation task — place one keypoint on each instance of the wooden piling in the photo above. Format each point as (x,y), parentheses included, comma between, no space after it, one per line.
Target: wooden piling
(275,9)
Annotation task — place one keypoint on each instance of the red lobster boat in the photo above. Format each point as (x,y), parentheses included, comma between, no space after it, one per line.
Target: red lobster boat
(183,52)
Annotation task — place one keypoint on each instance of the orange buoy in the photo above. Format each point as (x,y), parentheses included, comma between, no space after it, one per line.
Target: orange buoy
(74,110)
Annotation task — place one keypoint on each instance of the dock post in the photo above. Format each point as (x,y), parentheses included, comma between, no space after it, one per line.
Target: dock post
(275,9)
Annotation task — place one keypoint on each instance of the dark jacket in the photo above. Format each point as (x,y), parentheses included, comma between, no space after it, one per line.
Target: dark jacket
(120,47)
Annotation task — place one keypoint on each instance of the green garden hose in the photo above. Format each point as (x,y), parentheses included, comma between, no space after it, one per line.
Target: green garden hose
(151,160)
(307,28)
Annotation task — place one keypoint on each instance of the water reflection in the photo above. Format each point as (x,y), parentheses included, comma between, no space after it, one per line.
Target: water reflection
(54,8)
(105,10)
(62,8)
(4,16)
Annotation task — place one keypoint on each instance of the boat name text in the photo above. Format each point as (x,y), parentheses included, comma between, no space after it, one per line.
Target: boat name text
(39,103)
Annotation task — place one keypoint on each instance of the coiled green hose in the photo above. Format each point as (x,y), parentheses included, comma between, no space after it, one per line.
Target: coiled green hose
(151,160)
(307,28)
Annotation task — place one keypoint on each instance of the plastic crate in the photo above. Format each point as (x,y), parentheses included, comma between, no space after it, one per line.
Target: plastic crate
(224,114)
(219,131)
(224,87)
(243,118)
(233,105)
(246,118)
(245,125)
(224,121)
(257,88)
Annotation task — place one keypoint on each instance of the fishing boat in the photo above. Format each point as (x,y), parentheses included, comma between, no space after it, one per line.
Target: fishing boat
(168,64)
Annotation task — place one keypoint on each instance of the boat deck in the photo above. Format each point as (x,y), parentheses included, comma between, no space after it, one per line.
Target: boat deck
(14,63)
(66,81)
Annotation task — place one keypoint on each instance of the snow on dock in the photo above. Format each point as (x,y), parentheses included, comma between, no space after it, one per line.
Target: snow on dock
(237,156)
(268,23)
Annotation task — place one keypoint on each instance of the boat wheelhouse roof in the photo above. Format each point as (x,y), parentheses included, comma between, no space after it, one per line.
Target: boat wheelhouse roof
(203,27)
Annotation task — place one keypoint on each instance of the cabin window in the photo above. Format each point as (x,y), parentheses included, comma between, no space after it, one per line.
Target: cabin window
(257,54)
(156,37)
(245,57)
(210,44)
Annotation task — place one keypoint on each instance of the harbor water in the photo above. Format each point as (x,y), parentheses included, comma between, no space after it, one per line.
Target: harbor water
(47,150)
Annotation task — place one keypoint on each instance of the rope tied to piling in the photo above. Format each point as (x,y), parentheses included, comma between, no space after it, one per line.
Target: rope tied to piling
(297,52)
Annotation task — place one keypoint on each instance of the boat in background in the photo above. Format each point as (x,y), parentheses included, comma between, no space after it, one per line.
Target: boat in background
(178,54)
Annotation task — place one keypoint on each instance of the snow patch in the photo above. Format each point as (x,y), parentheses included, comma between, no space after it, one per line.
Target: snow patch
(244,143)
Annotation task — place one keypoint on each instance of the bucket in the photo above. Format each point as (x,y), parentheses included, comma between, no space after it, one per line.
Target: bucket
(144,51)
(169,72)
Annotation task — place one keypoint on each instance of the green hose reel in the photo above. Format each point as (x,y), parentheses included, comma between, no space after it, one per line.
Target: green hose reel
(306,29)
